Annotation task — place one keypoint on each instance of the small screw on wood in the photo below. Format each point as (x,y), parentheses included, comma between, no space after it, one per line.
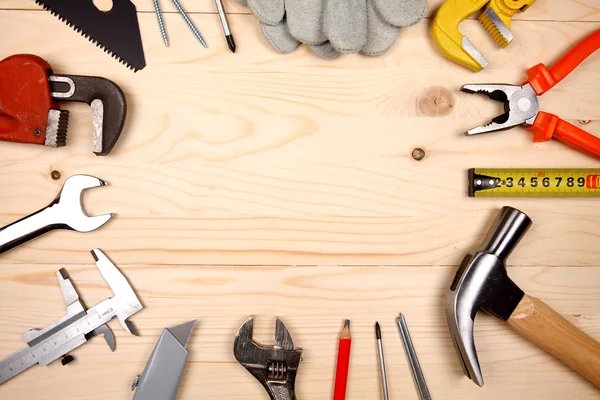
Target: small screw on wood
(55,175)
(418,154)
(584,121)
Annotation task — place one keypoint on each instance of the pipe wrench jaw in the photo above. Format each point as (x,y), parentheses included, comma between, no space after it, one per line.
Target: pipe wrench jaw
(106,99)
(29,102)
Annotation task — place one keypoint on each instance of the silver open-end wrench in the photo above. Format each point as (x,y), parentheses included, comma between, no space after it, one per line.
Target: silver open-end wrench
(64,212)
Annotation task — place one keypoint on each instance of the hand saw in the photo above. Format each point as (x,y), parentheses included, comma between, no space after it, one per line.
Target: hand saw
(116,31)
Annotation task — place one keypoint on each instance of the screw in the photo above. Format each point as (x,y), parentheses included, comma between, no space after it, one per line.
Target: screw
(584,121)
(161,24)
(189,22)
(135,382)
(55,175)
(37,132)
(418,154)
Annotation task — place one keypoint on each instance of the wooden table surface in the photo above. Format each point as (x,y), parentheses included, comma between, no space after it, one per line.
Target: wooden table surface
(271,185)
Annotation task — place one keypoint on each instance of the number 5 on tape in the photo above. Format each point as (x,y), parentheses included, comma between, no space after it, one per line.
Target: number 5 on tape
(533,182)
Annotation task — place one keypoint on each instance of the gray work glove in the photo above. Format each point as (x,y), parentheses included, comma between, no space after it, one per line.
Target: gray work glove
(331,27)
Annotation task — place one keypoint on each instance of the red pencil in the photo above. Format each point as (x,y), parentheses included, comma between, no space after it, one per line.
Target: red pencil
(343,361)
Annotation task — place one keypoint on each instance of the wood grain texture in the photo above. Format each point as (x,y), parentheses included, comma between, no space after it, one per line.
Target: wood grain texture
(311,301)
(264,159)
(551,331)
(273,185)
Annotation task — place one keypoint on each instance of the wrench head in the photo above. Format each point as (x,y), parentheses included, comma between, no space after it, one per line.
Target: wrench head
(125,301)
(275,367)
(68,205)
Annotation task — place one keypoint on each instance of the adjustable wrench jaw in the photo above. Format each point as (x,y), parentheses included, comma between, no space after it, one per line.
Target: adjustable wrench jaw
(64,212)
(275,367)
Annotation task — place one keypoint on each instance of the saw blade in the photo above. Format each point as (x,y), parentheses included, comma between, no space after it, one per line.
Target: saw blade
(117,31)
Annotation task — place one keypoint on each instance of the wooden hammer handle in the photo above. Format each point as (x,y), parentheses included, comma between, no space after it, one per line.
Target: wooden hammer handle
(548,329)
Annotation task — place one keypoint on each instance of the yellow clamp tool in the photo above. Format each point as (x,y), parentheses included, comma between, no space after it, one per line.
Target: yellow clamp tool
(496,20)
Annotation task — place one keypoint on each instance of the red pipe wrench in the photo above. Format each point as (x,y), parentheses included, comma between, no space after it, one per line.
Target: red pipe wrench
(29,109)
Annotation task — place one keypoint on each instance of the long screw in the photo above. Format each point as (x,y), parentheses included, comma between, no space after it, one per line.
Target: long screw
(189,22)
(161,24)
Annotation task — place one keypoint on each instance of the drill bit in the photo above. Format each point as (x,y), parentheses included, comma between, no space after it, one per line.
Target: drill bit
(412,358)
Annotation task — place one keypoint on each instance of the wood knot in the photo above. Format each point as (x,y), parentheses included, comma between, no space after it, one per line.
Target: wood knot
(436,102)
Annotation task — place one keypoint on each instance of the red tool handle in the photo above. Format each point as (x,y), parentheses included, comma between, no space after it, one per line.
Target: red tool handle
(543,79)
(548,125)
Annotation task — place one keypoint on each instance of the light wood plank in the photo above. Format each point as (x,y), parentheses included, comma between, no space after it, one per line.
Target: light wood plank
(262,159)
(312,301)
(547,10)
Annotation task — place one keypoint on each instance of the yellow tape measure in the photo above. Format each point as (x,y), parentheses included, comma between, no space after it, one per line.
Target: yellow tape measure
(538,182)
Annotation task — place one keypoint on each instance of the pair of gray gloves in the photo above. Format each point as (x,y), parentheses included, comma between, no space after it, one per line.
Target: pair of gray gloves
(331,27)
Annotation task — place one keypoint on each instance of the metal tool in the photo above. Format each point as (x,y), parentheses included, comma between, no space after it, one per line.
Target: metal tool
(275,367)
(64,212)
(482,282)
(80,323)
(162,375)
(522,108)
(496,19)
(534,182)
(30,94)
(413,361)
(161,23)
(189,22)
(116,31)
(225,24)
(384,387)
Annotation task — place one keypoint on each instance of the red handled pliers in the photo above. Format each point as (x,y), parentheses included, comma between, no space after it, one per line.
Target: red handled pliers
(522,108)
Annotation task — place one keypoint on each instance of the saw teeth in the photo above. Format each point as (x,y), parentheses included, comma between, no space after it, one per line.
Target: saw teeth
(86,35)
(493,30)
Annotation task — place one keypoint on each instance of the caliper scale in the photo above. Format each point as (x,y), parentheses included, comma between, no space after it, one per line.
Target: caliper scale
(79,325)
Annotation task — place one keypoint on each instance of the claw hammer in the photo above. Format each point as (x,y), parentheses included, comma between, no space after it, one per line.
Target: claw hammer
(482,282)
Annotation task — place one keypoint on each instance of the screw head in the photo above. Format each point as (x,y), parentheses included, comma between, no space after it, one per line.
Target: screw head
(37,132)
(55,175)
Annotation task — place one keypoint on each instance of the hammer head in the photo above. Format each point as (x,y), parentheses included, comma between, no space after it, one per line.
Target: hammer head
(481,282)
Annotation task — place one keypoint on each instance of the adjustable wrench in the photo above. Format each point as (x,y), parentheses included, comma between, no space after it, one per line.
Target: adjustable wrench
(64,212)
(275,367)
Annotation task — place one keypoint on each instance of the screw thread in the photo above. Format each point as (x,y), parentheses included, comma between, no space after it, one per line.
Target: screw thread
(161,24)
(189,22)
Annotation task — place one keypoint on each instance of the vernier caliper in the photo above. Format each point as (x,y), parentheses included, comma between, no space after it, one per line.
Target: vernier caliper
(80,323)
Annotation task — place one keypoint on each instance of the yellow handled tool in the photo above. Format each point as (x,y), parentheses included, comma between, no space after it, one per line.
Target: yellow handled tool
(496,20)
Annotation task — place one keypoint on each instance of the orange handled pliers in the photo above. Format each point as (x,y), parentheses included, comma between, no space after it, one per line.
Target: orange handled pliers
(522,108)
